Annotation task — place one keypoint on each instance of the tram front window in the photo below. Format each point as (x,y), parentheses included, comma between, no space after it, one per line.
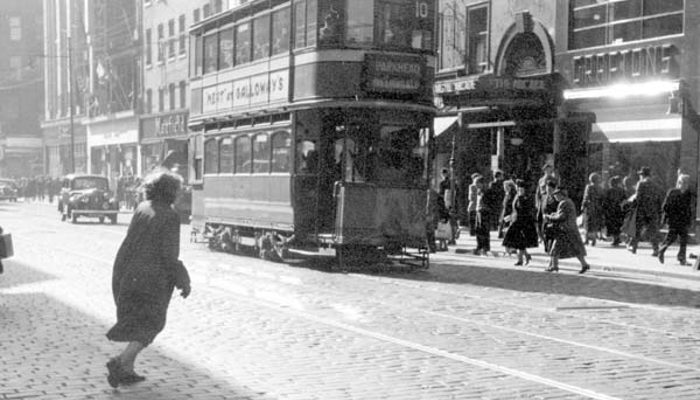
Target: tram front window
(391,155)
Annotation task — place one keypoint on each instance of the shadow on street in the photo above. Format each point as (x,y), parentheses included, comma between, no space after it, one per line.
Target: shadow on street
(51,351)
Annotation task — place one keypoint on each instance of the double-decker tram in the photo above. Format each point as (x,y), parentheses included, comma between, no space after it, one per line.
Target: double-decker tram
(310,126)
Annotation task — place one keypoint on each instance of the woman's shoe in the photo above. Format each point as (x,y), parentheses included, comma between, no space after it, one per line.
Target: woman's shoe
(519,263)
(552,269)
(130,378)
(528,258)
(114,367)
(584,268)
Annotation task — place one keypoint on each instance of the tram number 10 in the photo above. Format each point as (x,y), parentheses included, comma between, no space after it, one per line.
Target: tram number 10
(422,9)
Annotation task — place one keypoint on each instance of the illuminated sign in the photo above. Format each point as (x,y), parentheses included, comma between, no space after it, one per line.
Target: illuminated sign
(625,65)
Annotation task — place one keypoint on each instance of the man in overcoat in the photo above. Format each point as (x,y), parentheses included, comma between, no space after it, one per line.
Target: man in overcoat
(648,199)
(678,214)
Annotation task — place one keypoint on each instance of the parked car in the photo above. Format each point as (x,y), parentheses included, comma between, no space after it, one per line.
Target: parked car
(87,196)
(8,189)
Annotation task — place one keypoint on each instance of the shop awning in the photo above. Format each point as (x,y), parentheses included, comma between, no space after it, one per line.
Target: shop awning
(642,130)
(442,124)
(634,123)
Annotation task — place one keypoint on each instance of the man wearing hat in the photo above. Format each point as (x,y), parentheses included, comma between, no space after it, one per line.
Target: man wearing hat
(648,201)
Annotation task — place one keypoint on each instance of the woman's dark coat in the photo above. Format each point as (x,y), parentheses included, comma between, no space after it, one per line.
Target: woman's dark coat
(592,207)
(145,272)
(613,208)
(567,242)
(522,232)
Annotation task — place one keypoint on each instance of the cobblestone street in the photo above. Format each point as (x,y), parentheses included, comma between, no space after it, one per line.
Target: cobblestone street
(468,327)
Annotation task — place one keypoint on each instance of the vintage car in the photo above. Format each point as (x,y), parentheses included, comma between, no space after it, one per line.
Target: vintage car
(87,196)
(8,189)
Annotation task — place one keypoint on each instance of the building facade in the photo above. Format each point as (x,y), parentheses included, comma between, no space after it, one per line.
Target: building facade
(66,71)
(631,67)
(165,33)
(112,120)
(21,88)
(498,94)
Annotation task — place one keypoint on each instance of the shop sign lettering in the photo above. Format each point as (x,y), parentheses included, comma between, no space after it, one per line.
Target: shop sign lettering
(217,97)
(625,65)
(171,125)
(260,89)
(394,74)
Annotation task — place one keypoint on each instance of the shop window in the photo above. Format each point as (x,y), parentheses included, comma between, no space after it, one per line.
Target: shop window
(280,31)
(210,53)
(15,29)
(360,22)
(261,153)
(243,42)
(226,48)
(261,37)
(604,22)
(478,39)
(211,153)
(281,152)
(243,157)
(226,156)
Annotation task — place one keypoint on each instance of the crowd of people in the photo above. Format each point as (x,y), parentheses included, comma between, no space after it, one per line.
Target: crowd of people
(526,215)
(46,188)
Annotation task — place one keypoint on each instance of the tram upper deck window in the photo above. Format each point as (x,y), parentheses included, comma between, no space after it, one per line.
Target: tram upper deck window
(305,16)
(243,155)
(281,152)
(211,53)
(360,20)
(243,43)
(196,61)
(280,31)
(226,48)
(261,37)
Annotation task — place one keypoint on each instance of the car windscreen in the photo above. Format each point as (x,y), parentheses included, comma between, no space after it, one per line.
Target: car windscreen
(90,183)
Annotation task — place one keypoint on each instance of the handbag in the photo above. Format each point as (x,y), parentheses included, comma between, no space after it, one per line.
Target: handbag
(6,248)
(443,231)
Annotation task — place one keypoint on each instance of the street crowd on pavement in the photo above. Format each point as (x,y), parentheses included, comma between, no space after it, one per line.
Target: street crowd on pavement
(616,214)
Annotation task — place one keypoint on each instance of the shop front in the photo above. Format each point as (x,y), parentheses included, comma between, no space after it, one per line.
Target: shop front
(510,119)
(113,147)
(640,111)
(164,142)
(57,149)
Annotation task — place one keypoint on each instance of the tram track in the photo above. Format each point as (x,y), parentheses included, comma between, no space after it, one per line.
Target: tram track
(242,294)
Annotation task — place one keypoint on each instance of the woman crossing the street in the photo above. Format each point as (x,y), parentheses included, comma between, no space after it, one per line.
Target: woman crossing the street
(146,271)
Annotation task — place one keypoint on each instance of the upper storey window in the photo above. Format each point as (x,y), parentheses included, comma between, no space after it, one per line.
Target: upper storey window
(397,25)
(605,22)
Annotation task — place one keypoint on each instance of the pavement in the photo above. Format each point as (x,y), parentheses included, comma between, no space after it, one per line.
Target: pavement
(602,257)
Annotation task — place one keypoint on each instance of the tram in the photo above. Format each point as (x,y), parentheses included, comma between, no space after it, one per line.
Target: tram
(310,126)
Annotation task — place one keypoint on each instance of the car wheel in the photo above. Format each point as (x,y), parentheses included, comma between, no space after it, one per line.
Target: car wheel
(102,220)
(113,218)
(73,217)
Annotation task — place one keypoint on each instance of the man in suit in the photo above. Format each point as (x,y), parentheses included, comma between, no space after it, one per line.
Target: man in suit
(648,199)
